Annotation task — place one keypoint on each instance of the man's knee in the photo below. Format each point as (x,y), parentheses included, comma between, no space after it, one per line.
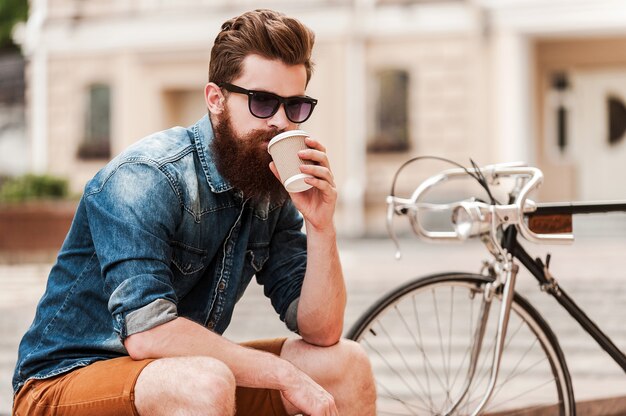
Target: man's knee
(211,375)
(348,374)
(357,380)
(200,384)
(352,359)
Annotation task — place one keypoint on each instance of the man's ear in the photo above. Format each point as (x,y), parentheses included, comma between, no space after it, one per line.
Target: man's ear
(214,98)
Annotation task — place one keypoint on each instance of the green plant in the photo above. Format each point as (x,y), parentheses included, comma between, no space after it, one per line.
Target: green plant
(11,12)
(33,187)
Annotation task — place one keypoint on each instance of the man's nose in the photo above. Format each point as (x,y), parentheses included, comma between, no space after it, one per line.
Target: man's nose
(279,120)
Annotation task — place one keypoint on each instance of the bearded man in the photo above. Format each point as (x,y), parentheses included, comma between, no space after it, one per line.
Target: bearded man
(166,239)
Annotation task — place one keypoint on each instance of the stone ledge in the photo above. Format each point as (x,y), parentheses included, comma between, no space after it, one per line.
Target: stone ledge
(613,406)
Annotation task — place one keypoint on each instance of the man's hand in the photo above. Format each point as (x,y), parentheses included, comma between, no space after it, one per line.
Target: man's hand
(317,204)
(307,396)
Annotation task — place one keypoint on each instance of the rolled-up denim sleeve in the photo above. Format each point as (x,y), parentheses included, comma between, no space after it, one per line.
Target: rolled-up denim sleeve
(283,273)
(132,216)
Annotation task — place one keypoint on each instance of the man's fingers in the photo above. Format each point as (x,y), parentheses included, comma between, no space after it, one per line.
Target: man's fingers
(315,156)
(319,172)
(314,144)
(327,406)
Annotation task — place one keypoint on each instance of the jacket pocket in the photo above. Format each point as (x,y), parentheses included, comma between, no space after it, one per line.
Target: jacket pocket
(187,259)
(256,256)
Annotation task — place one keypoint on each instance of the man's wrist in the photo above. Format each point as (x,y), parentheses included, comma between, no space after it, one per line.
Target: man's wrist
(287,374)
(328,231)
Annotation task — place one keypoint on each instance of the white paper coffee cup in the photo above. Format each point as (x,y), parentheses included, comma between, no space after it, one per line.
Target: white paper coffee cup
(284,148)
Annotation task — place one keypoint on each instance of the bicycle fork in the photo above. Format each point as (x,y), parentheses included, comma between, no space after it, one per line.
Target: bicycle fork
(508,292)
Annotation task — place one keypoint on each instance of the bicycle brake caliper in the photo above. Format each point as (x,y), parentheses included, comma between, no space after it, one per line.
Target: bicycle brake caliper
(551,285)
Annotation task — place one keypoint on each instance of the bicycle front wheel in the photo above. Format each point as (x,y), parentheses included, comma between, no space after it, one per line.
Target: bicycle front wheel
(419,339)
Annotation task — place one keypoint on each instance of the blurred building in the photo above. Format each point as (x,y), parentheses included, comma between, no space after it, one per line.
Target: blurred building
(13,142)
(495,80)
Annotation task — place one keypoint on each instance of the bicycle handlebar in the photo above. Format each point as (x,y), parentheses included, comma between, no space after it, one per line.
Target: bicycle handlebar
(484,218)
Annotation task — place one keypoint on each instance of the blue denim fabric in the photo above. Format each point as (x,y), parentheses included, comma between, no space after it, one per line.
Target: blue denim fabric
(158,234)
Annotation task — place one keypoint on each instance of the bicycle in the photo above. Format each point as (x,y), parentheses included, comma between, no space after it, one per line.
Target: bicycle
(468,344)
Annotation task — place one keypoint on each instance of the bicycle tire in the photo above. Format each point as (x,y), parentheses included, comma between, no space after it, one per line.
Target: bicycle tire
(417,374)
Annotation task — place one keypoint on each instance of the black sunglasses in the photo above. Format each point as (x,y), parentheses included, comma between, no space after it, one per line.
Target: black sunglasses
(264,104)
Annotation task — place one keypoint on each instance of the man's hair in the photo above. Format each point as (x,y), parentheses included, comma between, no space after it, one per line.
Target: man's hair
(266,33)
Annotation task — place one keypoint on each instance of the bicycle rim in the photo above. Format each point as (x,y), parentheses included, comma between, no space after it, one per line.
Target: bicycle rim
(419,340)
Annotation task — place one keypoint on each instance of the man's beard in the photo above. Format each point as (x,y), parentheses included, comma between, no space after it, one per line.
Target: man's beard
(244,161)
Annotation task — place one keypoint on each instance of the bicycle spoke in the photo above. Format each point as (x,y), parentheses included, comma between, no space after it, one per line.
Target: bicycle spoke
(485,373)
(489,354)
(443,357)
(418,347)
(402,357)
(461,366)
(392,368)
(392,396)
(543,410)
(393,413)
(510,337)
(539,387)
(468,349)
(410,406)
(504,382)
(482,362)
(512,374)
(450,326)
(425,359)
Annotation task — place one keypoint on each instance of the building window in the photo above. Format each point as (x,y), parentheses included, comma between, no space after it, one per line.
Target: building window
(617,119)
(561,85)
(96,143)
(391,123)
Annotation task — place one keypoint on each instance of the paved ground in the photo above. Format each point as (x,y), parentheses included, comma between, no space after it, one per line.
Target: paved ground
(592,271)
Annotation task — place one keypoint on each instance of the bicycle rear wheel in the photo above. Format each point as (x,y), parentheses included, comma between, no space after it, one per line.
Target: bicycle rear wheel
(419,339)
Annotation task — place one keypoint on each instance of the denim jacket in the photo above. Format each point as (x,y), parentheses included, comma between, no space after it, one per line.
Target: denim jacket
(158,234)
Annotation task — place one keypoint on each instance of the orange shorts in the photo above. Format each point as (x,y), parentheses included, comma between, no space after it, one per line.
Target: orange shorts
(107,388)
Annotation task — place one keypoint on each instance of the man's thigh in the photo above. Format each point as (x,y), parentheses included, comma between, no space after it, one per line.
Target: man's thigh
(107,388)
(101,389)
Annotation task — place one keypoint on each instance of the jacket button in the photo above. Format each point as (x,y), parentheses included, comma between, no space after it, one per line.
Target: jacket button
(221,286)
(211,325)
